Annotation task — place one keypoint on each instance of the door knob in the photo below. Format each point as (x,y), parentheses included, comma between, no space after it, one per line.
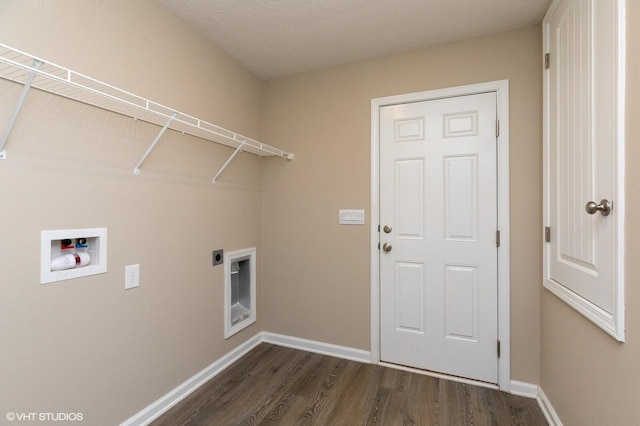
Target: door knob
(604,207)
(386,247)
(387,229)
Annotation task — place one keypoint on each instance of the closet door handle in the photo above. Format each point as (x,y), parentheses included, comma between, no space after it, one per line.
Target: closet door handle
(386,247)
(604,207)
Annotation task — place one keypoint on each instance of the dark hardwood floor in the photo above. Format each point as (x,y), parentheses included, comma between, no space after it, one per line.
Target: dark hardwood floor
(273,385)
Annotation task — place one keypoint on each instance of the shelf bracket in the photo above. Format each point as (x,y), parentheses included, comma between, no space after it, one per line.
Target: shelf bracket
(27,85)
(136,169)
(224,166)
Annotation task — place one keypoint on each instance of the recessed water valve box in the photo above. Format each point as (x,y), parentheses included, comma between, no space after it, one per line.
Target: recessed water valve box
(72,253)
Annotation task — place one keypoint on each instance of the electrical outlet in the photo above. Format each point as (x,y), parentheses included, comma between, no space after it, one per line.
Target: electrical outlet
(131,276)
(217,256)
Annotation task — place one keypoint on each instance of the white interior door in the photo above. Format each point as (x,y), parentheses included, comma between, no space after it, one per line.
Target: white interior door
(438,254)
(583,135)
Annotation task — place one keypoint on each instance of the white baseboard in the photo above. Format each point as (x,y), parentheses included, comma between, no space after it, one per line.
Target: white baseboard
(153,411)
(527,390)
(317,347)
(547,409)
(156,409)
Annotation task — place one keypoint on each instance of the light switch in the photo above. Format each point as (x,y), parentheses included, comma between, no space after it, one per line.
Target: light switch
(351,217)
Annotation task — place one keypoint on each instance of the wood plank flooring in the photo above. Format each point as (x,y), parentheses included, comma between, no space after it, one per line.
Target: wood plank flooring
(273,385)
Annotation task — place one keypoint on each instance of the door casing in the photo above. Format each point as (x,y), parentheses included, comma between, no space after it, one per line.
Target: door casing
(501,87)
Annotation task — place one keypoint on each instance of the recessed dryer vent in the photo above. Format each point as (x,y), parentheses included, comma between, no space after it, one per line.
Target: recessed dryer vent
(239,291)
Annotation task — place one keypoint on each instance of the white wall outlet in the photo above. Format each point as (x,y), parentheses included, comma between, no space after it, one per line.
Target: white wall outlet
(131,276)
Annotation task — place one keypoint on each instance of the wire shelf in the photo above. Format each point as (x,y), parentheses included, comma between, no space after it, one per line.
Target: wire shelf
(18,66)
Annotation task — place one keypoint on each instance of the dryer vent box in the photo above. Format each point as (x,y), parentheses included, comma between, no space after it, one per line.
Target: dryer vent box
(240,290)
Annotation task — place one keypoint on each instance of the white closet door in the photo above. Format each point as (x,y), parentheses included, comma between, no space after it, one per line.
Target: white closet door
(583,141)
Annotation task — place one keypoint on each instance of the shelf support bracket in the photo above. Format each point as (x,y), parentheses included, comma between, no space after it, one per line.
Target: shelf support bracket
(12,121)
(136,169)
(224,166)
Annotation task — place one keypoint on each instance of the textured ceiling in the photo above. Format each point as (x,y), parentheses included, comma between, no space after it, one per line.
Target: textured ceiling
(275,38)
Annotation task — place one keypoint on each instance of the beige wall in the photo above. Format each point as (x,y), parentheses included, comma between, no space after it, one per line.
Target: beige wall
(317,273)
(86,345)
(589,377)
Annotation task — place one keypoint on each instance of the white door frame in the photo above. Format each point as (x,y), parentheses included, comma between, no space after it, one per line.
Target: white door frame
(501,87)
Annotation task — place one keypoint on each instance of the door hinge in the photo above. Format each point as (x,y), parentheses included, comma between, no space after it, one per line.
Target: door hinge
(497,238)
(498,348)
(547,234)
(378,228)
(547,61)
(497,128)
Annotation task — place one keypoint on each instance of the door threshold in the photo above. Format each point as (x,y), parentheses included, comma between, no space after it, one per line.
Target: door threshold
(440,375)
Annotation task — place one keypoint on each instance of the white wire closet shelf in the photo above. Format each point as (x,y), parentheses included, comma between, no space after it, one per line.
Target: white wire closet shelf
(32,71)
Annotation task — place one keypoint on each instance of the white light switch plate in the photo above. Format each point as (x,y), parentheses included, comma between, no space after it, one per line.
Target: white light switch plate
(351,217)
